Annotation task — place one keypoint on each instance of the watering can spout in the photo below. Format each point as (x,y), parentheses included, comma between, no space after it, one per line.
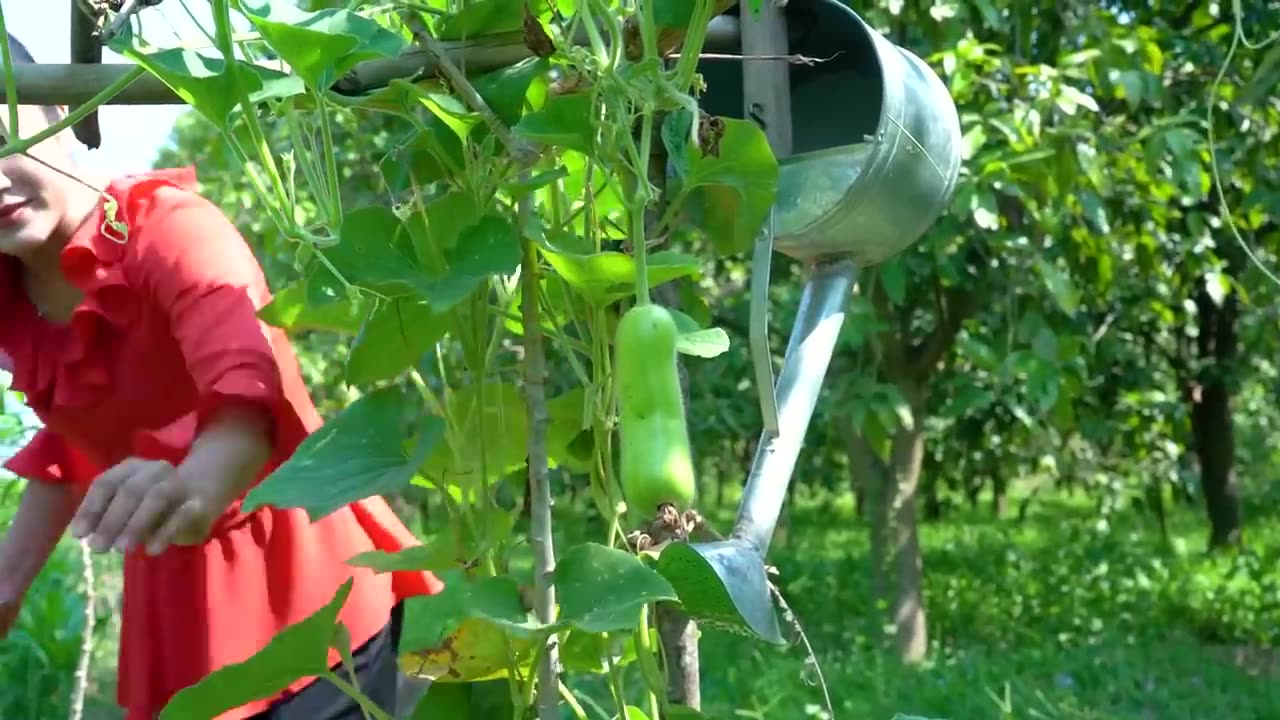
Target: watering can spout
(861,178)
(725,584)
(813,341)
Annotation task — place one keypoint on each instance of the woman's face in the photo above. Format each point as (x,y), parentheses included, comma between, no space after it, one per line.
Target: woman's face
(33,195)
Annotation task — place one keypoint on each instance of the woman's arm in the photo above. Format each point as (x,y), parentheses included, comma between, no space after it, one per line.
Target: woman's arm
(42,517)
(152,503)
(228,454)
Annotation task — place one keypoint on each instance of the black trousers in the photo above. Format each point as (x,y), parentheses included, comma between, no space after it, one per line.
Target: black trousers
(377,675)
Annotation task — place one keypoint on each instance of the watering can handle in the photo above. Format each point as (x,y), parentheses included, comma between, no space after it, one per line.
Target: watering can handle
(766,94)
(761,358)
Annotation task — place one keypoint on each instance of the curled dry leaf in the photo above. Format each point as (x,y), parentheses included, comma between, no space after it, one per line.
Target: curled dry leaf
(710,130)
(536,37)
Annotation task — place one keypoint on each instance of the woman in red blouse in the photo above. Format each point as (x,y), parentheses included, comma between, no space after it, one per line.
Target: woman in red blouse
(164,399)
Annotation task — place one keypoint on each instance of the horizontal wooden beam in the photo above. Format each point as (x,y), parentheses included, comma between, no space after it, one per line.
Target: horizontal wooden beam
(77,83)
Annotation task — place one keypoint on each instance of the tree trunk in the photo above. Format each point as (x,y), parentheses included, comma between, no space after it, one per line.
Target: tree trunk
(932,503)
(932,498)
(908,603)
(727,468)
(677,632)
(870,474)
(1155,500)
(897,567)
(859,472)
(680,656)
(1212,426)
(999,494)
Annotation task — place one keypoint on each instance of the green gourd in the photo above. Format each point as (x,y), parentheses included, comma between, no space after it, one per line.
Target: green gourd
(656,460)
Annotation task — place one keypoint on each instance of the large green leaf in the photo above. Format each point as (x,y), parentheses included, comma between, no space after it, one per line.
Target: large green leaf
(437,228)
(435,151)
(300,650)
(358,454)
(202,82)
(430,619)
(564,121)
(486,248)
(729,183)
(490,17)
(366,254)
(607,277)
(396,335)
(674,14)
(436,554)
(492,434)
(290,311)
(482,700)
(602,589)
(588,652)
(320,46)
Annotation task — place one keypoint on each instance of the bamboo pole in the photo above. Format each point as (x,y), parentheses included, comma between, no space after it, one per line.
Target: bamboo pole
(75,84)
(71,84)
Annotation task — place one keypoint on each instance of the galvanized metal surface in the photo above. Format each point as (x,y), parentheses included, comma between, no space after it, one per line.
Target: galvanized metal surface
(724,584)
(761,356)
(804,368)
(766,99)
(875,138)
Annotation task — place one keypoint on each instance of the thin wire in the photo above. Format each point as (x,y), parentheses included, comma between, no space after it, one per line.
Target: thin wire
(1238,38)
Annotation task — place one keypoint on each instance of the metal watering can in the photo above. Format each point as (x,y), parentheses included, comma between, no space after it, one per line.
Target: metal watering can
(868,140)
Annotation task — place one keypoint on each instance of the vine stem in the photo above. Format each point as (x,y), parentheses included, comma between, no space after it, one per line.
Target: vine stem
(222,30)
(572,702)
(86,640)
(649,665)
(523,152)
(1238,38)
(334,185)
(367,707)
(540,539)
(691,50)
(10,82)
(790,617)
(639,241)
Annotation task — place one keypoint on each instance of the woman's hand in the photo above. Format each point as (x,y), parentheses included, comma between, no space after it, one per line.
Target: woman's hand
(152,503)
(144,502)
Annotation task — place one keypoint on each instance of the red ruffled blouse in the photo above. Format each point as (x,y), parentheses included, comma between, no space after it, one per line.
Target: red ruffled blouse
(166,334)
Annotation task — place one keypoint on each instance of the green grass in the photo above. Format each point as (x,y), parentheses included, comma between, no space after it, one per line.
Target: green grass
(40,655)
(1064,616)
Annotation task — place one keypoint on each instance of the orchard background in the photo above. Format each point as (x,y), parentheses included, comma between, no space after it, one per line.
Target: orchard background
(1041,479)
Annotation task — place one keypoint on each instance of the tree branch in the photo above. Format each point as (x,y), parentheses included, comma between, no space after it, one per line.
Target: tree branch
(953,306)
(86,47)
(522,150)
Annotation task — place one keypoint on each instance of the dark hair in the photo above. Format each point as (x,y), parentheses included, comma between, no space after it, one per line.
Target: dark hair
(19,52)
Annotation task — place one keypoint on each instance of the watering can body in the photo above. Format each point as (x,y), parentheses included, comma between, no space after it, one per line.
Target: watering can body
(871,162)
(875,141)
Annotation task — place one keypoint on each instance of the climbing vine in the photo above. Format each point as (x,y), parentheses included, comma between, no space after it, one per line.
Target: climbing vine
(529,214)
